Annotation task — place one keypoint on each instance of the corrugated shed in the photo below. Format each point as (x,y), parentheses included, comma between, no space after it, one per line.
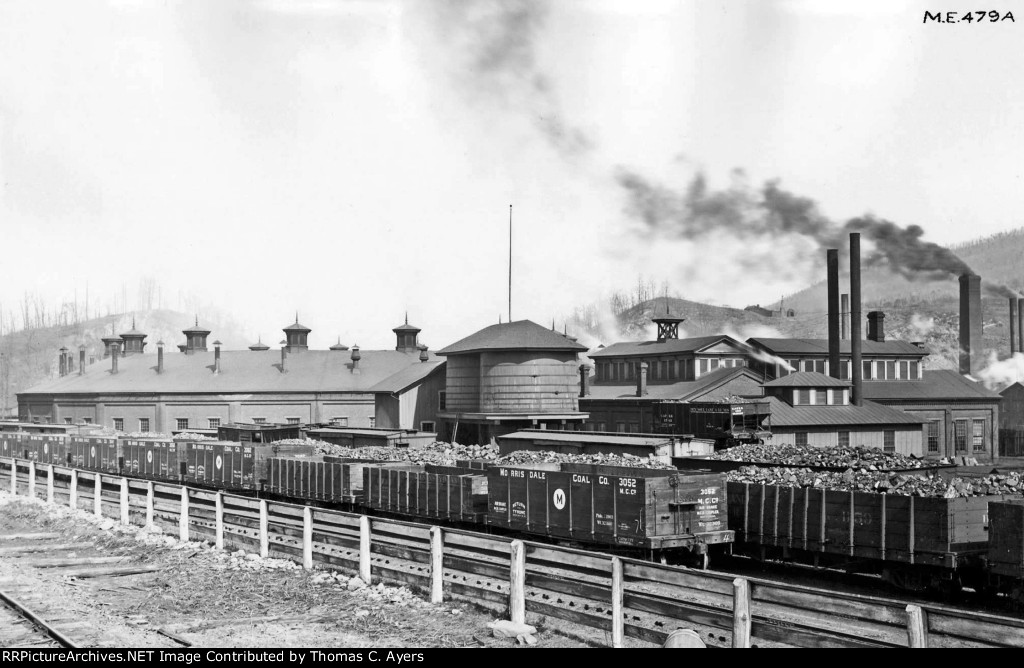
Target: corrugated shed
(518,335)
(241,372)
(936,385)
(819,347)
(785,415)
(667,347)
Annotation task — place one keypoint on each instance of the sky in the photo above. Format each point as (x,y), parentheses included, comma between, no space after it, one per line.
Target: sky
(354,160)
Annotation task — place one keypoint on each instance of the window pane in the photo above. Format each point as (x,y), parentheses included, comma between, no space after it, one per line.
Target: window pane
(866,371)
(182,423)
(844,439)
(904,370)
(889,441)
(119,424)
(890,370)
(915,371)
(978,436)
(933,437)
(804,397)
(960,435)
(801,438)
(143,424)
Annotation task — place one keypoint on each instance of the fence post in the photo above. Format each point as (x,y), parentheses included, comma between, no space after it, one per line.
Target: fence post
(150,494)
(618,622)
(740,613)
(73,490)
(31,479)
(218,513)
(364,549)
(124,501)
(97,496)
(517,583)
(436,565)
(264,529)
(183,517)
(307,538)
(49,483)
(917,626)
(14,476)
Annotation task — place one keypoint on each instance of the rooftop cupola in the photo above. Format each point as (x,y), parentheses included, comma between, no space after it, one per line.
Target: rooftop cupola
(195,338)
(296,336)
(134,340)
(407,335)
(259,345)
(110,341)
(668,325)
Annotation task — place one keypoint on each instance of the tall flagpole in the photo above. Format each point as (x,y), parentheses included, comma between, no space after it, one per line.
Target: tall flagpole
(510,263)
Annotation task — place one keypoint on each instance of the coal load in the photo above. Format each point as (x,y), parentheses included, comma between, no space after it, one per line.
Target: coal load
(883,482)
(798,456)
(521,457)
(442,454)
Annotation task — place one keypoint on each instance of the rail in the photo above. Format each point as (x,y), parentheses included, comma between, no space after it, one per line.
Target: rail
(624,598)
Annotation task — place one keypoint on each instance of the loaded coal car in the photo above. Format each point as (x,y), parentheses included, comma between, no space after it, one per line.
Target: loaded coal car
(450,493)
(725,423)
(660,513)
(1005,567)
(96,453)
(229,464)
(317,477)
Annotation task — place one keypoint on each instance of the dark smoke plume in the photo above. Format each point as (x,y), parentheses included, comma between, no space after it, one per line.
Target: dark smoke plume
(770,212)
(494,43)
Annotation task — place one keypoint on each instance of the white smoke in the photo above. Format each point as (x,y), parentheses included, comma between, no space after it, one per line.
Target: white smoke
(1000,373)
(921,326)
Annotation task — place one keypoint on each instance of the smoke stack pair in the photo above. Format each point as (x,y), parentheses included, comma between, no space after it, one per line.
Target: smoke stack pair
(641,380)
(971,352)
(584,381)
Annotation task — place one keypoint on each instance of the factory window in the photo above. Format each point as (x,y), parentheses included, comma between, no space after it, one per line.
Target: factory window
(68,421)
(890,369)
(598,371)
(427,426)
(663,375)
(259,420)
(703,366)
(959,436)
(373,422)
(87,420)
(442,401)
(844,439)
(599,426)
(781,370)
(803,397)
(342,421)
(689,369)
(904,370)
(214,422)
(620,427)
(181,423)
(119,424)
(866,370)
(915,371)
(801,438)
(819,366)
(933,437)
(978,436)
(143,425)
(634,427)
(844,370)
(292,420)
(889,441)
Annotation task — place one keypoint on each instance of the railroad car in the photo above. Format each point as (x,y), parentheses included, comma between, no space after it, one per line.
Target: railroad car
(726,423)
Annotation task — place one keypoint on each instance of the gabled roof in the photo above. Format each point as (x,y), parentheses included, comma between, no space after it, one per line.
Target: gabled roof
(669,346)
(518,335)
(409,376)
(937,385)
(808,379)
(870,413)
(1011,389)
(683,390)
(785,347)
(242,371)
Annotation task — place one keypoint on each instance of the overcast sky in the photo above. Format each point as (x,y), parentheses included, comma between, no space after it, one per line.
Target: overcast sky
(356,159)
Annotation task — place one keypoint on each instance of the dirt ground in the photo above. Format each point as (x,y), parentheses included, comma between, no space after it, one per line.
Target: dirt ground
(213,598)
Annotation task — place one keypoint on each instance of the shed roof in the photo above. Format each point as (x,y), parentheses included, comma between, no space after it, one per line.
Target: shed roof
(518,335)
(936,385)
(870,413)
(409,376)
(556,436)
(820,347)
(668,346)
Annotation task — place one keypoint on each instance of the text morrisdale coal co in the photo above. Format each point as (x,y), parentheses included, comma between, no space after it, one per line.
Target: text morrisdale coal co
(215,656)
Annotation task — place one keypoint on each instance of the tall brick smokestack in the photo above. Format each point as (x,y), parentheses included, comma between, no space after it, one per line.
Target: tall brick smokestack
(971,354)
(844,316)
(857,397)
(832,260)
(584,381)
(81,359)
(1020,325)
(1013,325)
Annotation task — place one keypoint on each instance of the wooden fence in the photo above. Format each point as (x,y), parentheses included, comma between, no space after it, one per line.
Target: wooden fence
(624,598)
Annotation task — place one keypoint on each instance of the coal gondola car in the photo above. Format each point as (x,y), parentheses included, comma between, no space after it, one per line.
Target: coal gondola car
(725,423)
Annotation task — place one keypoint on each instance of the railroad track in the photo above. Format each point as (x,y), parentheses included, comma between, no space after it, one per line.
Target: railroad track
(20,627)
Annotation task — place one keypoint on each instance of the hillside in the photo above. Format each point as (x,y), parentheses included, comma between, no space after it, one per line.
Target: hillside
(31,355)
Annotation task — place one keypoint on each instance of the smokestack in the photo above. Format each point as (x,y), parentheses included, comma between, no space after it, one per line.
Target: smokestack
(844,317)
(1020,325)
(641,380)
(81,359)
(71,363)
(857,398)
(832,260)
(355,359)
(971,354)
(1013,325)
(63,361)
(584,380)
(216,356)
(876,326)
(114,350)
(284,353)
(160,356)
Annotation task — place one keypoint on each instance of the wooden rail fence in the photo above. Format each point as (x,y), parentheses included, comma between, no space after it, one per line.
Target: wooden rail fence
(625,598)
